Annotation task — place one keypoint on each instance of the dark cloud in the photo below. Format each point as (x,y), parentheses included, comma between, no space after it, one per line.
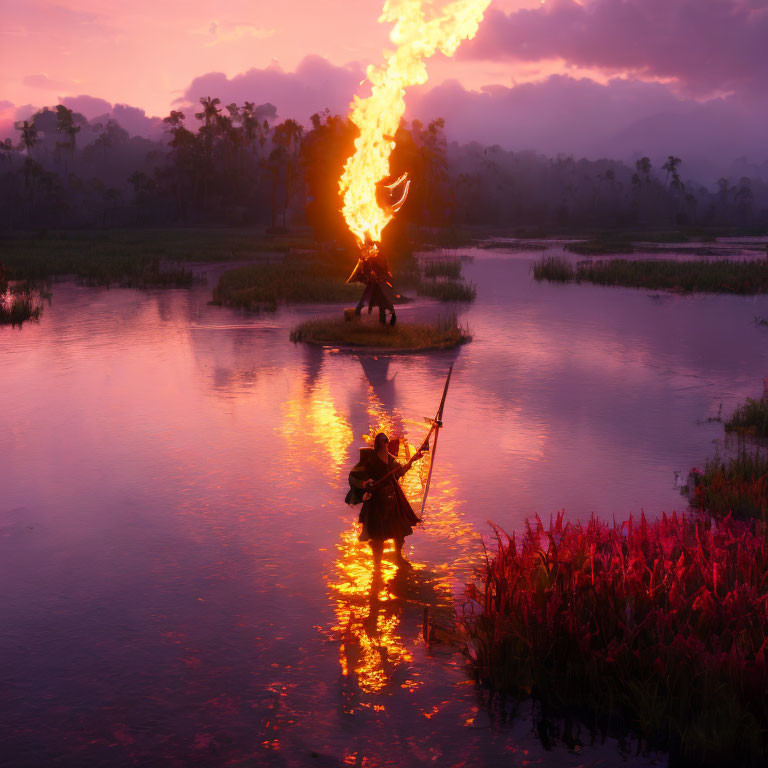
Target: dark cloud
(707,46)
(315,85)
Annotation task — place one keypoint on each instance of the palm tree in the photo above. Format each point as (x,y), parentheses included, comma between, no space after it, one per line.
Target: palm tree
(29,138)
(210,115)
(65,126)
(284,162)
(210,110)
(671,168)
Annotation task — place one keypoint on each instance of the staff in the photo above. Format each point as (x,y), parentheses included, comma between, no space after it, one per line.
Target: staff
(437,423)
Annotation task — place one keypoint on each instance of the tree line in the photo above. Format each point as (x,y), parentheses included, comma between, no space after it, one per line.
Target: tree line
(236,165)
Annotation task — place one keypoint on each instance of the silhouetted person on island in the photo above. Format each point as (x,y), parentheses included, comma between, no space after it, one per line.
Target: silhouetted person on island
(373,270)
(386,513)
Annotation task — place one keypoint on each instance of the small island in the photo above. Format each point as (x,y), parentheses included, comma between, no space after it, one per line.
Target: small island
(367,335)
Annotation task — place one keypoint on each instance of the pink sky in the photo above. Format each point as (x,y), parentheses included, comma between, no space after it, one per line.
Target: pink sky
(152,54)
(146,53)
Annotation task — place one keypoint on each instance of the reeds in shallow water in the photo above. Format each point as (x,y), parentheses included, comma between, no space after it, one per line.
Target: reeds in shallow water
(554,268)
(656,627)
(19,305)
(442,266)
(736,486)
(721,276)
(751,417)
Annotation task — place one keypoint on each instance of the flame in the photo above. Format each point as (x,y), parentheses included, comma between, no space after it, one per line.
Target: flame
(420,31)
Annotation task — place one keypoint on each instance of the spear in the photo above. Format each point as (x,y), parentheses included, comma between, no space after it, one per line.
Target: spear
(436,424)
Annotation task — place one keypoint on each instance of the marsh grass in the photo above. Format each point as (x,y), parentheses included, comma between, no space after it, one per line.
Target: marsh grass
(750,417)
(20,304)
(365,333)
(447,290)
(442,266)
(295,279)
(132,258)
(658,628)
(721,276)
(556,269)
(736,486)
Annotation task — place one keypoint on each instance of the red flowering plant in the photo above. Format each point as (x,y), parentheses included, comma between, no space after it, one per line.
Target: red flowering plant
(656,627)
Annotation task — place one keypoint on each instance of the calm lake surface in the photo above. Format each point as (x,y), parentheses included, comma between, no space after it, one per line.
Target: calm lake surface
(181,580)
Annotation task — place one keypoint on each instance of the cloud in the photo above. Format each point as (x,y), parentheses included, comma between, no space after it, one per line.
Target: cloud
(705,46)
(622,119)
(31,18)
(218,32)
(44,82)
(89,106)
(315,85)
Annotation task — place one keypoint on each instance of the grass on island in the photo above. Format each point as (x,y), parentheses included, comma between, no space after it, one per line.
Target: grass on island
(367,333)
(132,258)
(751,417)
(656,629)
(19,305)
(720,276)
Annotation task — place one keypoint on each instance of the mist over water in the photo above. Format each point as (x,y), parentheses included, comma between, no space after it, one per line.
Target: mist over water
(182,580)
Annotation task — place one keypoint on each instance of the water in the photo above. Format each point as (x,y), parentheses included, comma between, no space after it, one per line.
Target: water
(181,579)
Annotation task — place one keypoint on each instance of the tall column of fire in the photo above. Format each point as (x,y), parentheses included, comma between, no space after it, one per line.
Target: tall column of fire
(420,30)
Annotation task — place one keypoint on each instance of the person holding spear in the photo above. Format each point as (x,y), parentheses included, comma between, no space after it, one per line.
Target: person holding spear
(386,512)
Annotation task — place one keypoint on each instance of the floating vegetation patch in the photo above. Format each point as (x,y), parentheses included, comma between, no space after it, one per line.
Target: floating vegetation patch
(415,336)
(557,269)
(447,290)
(442,266)
(721,276)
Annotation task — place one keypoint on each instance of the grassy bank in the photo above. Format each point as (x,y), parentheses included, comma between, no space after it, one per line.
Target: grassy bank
(751,417)
(133,258)
(720,276)
(295,279)
(655,627)
(440,334)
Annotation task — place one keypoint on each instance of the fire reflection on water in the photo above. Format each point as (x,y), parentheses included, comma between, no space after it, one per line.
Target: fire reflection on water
(383,619)
(313,418)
